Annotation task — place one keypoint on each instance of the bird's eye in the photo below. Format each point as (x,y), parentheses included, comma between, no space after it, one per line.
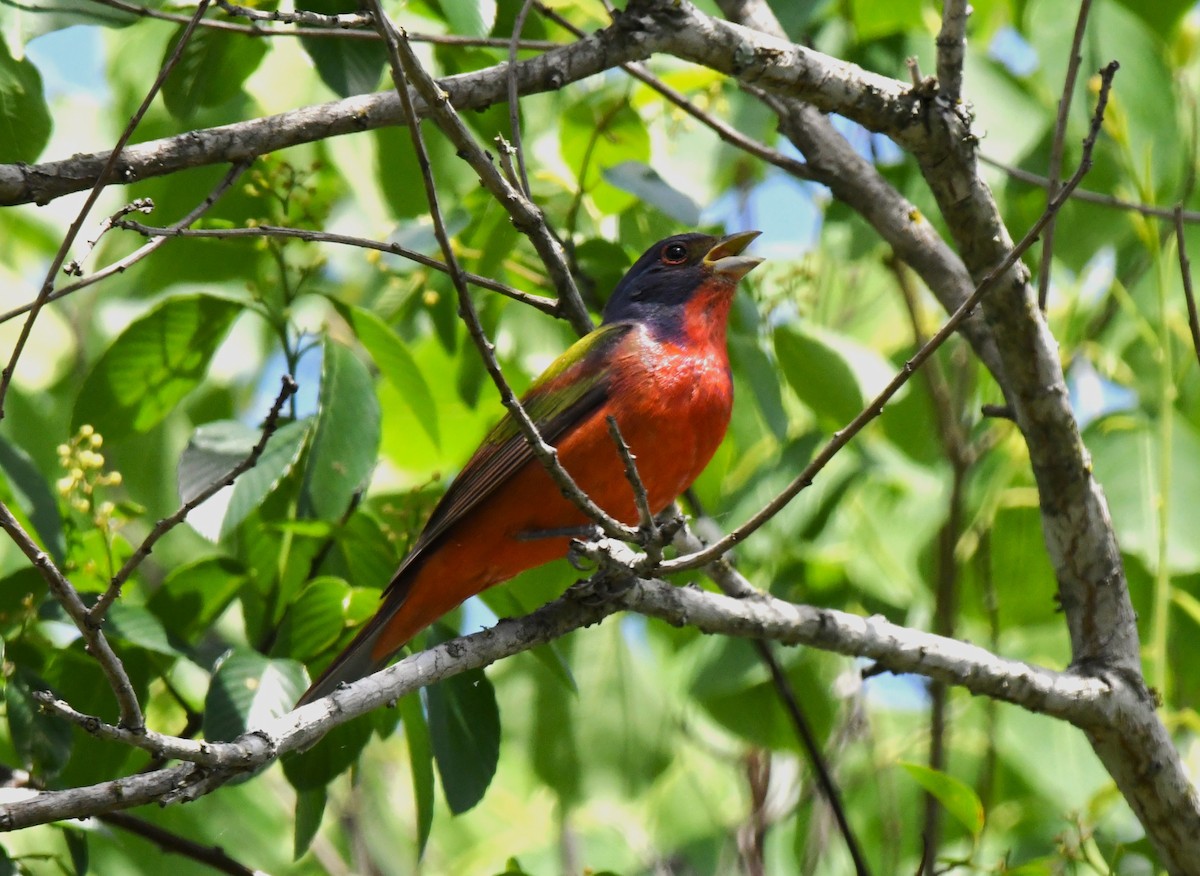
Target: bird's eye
(674,254)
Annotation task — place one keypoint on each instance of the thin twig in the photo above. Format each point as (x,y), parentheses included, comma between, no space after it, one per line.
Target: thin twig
(73,231)
(1190,217)
(514,104)
(652,538)
(326,32)
(405,68)
(527,217)
(100,608)
(951,47)
(1185,271)
(875,407)
(141,252)
(829,788)
(540,302)
(74,268)
(725,131)
(67,596)
(1056,149)
(211,856)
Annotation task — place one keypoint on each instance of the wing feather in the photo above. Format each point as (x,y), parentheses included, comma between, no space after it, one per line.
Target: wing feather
(571,388)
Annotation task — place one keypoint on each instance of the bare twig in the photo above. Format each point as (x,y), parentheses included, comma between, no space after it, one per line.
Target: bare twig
(1185,271)
(651,538)
(211,856)
(100,608)
(74,268)
(875,407)
(141,252)
(326,32)
(526,215)
(951,47)
(1190,217)
(405,66)
(73,231)
(68,597)
(514,105)
(545,305)
(1056,148)
(725,131)
(829,788)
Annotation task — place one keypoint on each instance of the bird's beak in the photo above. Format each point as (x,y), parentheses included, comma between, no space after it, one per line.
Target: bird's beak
(726,259)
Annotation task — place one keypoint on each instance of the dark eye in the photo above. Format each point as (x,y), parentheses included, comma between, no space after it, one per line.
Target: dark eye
(674,254)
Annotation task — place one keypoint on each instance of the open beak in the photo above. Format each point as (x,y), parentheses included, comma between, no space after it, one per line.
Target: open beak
(726,257)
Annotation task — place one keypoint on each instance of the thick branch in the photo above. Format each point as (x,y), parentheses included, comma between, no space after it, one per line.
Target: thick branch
(1097,704)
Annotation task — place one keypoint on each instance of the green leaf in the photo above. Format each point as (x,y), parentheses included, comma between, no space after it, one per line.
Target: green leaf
(876,18)
(599,134)
(24,117)
(137,626)
(832,374)
(642,180)
(42,742)
(348,67)
(34,497)
(955,795)
(249,689)
(346,438)
(470,17)
(330,757)
(420,758)
(310,808)
(193,595)
(369,556)
(314,621)
(464,722)
(77,846)
(211,71)
(396,363)
(153,364)
(278,459)
(1127,458)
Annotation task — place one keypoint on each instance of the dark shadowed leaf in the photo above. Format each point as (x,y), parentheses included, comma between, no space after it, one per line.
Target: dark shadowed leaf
(42,742)
(193,595)
(310,807)
(464,723)
(420,757)
(211,71)
(34,496)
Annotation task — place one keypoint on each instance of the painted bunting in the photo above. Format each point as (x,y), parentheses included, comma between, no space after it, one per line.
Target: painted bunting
(658,364)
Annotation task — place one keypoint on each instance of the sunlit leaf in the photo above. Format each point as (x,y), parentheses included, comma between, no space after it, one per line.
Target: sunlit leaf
(153,364)
(346,436)
(955,795)
(249,689)
(24,117)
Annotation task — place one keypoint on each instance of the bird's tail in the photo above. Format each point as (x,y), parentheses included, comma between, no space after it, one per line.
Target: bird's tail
(355,662)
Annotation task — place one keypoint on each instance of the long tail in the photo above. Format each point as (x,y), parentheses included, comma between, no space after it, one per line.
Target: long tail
(355,662)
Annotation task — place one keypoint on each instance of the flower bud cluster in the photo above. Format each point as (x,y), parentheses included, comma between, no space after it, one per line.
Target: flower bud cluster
(81,459)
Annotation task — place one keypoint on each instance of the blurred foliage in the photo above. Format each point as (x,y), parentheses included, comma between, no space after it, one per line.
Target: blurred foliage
(626,748)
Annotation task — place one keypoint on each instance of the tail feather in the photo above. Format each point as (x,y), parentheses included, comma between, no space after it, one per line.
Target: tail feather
(352,664)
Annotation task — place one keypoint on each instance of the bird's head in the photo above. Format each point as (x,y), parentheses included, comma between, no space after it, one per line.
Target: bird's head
(659,285)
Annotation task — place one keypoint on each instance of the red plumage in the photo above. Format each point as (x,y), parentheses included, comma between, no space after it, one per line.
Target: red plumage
(658,364)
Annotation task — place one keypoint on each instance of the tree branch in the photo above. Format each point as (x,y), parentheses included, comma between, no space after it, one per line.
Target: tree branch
(1096,704)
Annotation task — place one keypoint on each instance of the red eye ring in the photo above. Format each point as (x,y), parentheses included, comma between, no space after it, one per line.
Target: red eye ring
(674,254)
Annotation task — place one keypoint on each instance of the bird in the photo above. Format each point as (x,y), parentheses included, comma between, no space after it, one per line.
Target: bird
(658,363)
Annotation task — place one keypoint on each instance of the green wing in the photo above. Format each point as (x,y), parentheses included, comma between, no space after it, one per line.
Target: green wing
(569,390)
